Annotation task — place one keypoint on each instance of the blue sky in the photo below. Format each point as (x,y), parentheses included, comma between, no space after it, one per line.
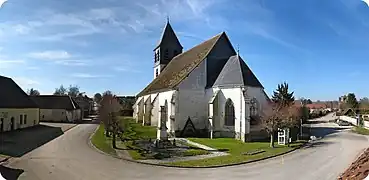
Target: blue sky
(321,48)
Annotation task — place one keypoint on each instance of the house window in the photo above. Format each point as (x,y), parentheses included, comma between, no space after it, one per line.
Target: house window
(156,72)
(25,119)
(229,117)
(21,119)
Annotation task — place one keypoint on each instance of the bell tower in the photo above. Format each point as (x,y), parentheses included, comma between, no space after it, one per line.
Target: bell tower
(167,48)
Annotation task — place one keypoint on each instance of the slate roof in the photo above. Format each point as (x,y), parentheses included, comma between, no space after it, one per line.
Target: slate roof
(12,96)
(55,102)
(181,66)
(236,73)
(168,35)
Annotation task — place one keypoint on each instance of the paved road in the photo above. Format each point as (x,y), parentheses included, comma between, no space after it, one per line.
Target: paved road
(70,157)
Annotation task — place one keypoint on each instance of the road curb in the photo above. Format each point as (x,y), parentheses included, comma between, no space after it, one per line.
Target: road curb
(187,167)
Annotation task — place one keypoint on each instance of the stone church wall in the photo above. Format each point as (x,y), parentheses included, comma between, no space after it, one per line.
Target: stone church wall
(193,100)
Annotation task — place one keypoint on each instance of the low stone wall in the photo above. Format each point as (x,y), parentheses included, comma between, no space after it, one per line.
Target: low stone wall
(348,119)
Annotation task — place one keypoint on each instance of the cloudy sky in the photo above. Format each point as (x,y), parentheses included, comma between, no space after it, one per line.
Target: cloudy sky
(321,48)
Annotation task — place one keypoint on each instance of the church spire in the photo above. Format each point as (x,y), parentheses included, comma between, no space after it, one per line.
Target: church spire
(167,48)
(168,35)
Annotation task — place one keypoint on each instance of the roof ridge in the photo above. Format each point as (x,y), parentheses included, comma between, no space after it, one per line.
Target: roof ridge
(214,38)
(207,53)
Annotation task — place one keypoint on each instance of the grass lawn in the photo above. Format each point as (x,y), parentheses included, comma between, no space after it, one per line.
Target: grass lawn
(236,149)
(361,130)
(101,142)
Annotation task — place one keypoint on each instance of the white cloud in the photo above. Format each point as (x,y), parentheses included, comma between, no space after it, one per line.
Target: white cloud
(6,63)
(33,68)
(25,82)
(86,75)
(50,55)
(126,69)
(73,62)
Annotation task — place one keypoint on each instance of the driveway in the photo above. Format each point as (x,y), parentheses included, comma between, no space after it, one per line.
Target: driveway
(70,157)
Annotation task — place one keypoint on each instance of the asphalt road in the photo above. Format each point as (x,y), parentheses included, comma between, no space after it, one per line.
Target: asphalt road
(70,157)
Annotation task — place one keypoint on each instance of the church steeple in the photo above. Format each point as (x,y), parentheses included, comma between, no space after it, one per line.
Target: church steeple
(167,48)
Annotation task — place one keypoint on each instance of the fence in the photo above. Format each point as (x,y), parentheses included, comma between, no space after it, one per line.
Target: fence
(348,119)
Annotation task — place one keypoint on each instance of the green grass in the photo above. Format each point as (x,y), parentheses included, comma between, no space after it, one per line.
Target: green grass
(101,142)
(135,131)
(195,152)
(236,149)
(360,130)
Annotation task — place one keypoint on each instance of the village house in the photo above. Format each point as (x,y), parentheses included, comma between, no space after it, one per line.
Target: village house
(207,90)
(17,110)
(55,108)
(85,103)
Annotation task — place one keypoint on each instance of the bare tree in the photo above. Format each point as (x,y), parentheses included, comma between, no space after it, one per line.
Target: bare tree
(277,116)
(73,90)
(109,109)
(33,92)
(107,93)
(60,91)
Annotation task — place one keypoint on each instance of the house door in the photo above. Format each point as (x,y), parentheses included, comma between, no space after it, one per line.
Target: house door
(12,124)
(1,124)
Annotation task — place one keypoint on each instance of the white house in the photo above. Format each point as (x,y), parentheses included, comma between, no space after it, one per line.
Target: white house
(207,90)
(56,108)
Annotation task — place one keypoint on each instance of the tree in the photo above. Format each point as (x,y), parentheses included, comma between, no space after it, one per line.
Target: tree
(33,92)
(107,93)
(277,116)
(364,103)
(109,109)
(282,97)
(73,90)
(97,97)
(60,91)
(352,101)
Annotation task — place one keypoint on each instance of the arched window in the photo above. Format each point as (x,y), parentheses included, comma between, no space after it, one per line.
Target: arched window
(229,117)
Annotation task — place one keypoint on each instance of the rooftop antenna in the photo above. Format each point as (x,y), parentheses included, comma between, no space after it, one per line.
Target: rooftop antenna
(167,18)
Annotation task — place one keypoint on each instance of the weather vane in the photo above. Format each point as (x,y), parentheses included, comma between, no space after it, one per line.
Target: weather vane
(2,3)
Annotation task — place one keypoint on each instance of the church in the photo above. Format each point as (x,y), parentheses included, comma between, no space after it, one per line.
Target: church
(206,91)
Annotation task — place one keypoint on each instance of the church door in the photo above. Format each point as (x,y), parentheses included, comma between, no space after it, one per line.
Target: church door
(229,116)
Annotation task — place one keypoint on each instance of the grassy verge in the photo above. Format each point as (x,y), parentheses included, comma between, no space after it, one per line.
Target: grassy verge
(237,149)
(101,142)
(360,130)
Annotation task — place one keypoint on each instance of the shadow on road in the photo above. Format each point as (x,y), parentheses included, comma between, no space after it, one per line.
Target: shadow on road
(9,173)
(318,144)
(323,131)
(19,142)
